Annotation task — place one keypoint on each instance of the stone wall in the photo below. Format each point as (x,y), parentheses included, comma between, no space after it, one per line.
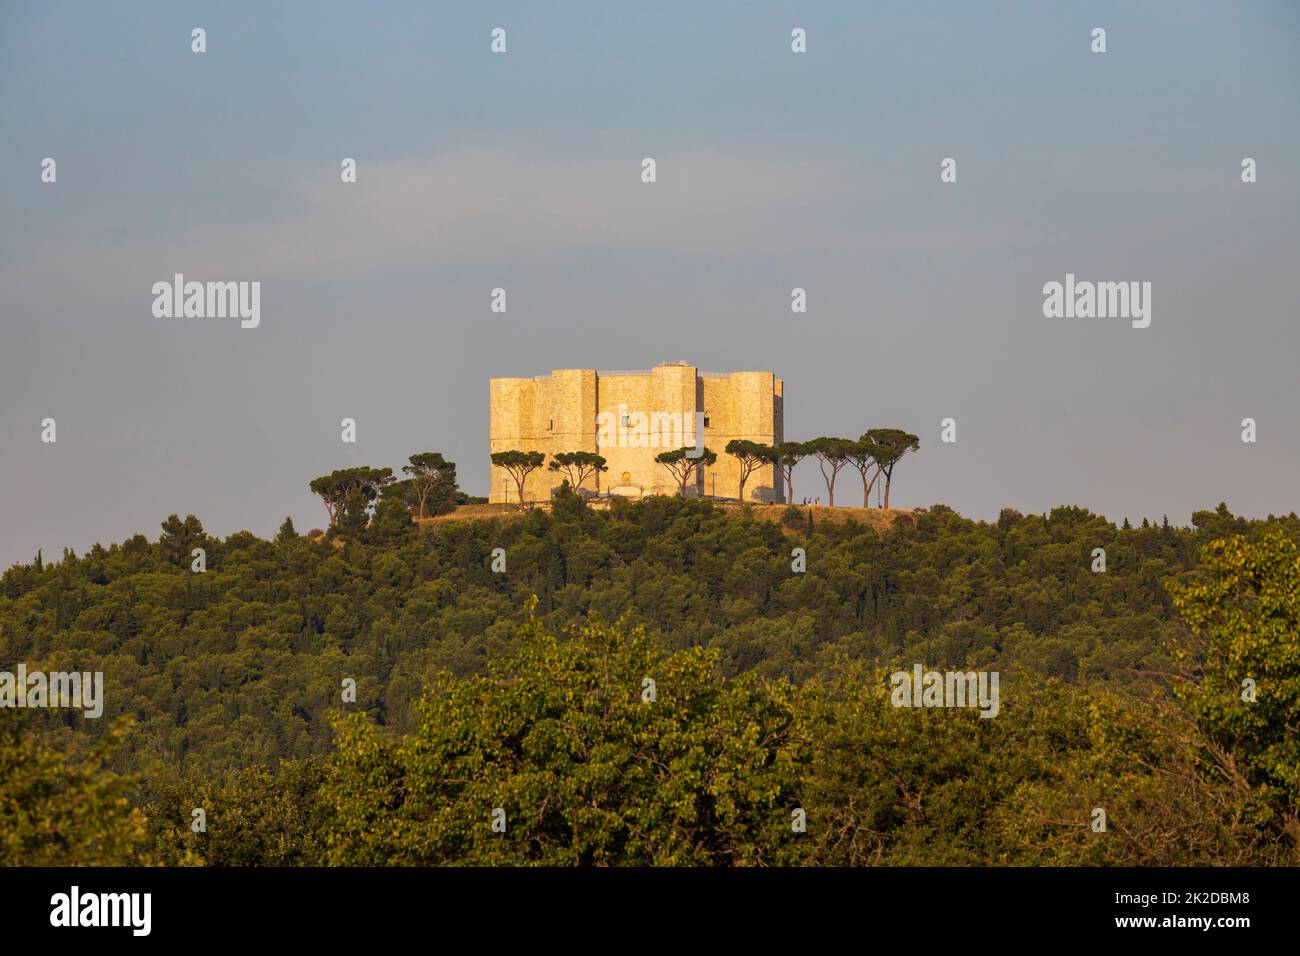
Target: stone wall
(564,411)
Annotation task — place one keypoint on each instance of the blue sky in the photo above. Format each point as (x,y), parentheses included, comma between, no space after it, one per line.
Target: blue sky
(776,170)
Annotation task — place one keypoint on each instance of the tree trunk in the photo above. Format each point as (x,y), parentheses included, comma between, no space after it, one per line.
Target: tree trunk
(1291,829)
(866,491)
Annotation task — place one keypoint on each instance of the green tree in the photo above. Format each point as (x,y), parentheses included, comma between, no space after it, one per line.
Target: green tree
(568,505)
(179,538)
(355,517)
(789,454)
(683,467)
(519,465)
(1242,667)
(861,455)
(286,533)
(832,454)
(600,749)
(56,811)
(578,466)
(256,817)
(347,493)
(752,456)
(432,483)
(332,489)
(392,522)
(890,445)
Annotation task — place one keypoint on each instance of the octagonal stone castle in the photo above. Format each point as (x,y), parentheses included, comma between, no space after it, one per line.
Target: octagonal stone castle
(629,418)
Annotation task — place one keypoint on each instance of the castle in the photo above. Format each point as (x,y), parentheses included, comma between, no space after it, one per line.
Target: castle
(629,418)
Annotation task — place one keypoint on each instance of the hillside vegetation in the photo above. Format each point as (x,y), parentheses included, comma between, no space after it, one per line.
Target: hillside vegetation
(522,690)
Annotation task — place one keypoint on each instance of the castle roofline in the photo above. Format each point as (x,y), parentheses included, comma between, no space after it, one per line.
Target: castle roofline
(633,371)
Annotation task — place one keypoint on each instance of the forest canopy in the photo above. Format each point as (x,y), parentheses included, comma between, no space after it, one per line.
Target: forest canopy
(500,665)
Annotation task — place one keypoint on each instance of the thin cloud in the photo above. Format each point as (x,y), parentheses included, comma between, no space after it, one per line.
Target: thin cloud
(464,206)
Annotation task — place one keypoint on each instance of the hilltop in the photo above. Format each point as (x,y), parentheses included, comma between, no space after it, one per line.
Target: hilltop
(879,519)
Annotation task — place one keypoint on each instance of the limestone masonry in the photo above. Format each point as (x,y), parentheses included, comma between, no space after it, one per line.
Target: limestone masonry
(630,417)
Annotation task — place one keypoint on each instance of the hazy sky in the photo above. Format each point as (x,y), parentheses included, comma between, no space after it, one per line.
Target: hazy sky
(522,170)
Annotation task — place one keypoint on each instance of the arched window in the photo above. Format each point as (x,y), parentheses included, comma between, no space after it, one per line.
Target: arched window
(627,477)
